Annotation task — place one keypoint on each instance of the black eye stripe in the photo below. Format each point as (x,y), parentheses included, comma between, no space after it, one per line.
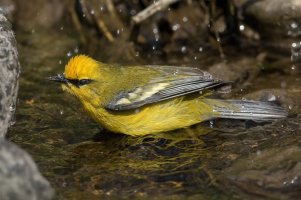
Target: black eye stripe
(80,82)
(84,81)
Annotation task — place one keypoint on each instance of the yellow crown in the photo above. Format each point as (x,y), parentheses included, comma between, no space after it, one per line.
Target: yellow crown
(78,66)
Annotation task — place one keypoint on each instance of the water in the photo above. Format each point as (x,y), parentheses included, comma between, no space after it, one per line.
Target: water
(206,161)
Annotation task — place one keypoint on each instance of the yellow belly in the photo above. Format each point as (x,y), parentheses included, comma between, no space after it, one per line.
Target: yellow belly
(159,117)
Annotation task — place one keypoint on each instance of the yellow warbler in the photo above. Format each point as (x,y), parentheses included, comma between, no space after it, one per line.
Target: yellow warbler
(139,100)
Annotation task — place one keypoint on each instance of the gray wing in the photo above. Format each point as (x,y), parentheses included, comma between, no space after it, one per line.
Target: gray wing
(172,82)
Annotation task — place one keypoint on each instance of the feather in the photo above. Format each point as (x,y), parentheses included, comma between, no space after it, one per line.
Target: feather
(170,83)
(254,110)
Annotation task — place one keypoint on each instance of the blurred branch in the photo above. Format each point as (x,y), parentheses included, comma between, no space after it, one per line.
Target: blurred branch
(75,20)
(212,11)
(152,9)
(100,23)
(104,30)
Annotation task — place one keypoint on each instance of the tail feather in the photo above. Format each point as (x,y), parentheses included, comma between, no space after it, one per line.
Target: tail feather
(253,110)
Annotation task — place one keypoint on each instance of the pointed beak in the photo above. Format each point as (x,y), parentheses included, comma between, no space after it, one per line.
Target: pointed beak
(58,78)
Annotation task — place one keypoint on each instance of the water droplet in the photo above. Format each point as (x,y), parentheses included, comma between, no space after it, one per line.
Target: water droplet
(294,44)
(241,27)
(175,27)
(272,98)
(61,112)
(92,12)
(155,30)
(183,49)
(290,107)
(195,57)
(211,124)
(101,8)
(60,62)
(295,55)
(12,122)
(137,53)
(185,19)
(76,50)
(200,49)
(154,47)
(294,180)
(294,25)
(175,72)
(12,108)
(293,67)
(61,28)
(69,54)
(293,29)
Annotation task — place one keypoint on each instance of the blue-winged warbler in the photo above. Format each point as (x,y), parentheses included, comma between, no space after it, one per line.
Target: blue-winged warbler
(139,100)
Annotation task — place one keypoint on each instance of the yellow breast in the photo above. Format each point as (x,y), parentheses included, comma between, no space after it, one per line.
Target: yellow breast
(159,117)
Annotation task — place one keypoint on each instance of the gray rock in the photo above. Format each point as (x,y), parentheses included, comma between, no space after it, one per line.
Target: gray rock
(276,18)
(19,177)
(269,174)
(9,73)
(8,7)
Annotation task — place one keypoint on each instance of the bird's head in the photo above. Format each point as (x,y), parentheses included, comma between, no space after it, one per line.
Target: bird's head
(80,73)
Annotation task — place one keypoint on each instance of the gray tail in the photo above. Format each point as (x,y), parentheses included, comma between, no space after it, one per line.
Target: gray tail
(253,110)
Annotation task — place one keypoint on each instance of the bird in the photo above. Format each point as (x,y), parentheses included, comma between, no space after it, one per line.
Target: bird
(148,99)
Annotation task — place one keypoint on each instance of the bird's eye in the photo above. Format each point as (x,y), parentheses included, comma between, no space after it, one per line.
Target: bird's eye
(79,82)
(82,82)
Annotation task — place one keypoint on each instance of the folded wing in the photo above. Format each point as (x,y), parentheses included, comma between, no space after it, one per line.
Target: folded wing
(171,82)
